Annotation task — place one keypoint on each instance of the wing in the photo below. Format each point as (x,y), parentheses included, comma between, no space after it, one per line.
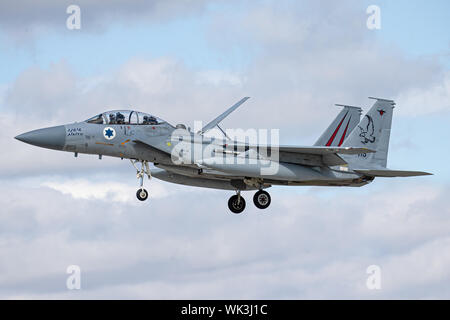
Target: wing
(309,156)
(317,156)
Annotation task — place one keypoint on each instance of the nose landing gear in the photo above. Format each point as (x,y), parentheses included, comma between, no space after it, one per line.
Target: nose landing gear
(141,193)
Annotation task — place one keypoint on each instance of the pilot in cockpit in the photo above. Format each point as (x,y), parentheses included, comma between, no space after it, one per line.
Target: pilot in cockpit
(152,120)
(112,119)
(120,118)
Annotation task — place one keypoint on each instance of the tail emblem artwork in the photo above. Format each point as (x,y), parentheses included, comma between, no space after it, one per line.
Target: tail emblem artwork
(367,132)
(350,153)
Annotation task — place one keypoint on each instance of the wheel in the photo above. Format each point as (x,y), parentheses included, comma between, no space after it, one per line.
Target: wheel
(261,199)
(142,194)
(236,206)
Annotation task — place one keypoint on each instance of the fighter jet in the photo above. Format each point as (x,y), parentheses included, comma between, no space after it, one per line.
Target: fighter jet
(351,152)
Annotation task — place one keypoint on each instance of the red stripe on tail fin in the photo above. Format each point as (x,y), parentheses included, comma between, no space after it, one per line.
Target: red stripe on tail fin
(330,141)
(345,131)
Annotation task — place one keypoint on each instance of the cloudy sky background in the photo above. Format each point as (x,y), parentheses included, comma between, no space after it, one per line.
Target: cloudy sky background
(189,60)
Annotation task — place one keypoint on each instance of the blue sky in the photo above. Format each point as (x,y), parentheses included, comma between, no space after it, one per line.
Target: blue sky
(184,38)
(419,29)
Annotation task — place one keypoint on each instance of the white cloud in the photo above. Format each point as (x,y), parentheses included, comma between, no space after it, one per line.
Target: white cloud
(172,247)
(433,99)
(23,19)
(106,190)
(426,265)
(220,78)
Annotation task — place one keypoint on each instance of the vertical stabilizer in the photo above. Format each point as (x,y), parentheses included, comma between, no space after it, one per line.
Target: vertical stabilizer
(372,132)
(340,128)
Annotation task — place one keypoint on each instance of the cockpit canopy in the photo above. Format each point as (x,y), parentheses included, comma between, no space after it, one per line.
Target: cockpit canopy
(125,117)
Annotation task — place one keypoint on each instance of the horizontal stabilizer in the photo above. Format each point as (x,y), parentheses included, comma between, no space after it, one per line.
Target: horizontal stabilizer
(391,173)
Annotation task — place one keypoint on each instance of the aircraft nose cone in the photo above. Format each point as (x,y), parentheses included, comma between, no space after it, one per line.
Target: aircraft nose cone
(51,138)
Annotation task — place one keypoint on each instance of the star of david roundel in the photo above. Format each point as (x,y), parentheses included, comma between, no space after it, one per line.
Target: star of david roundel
(109,133)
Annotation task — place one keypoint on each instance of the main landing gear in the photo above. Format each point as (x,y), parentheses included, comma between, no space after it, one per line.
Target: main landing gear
(261,199)
(236,203)
(141,193)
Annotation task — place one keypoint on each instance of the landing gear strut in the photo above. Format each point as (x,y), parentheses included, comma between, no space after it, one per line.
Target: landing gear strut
(236,203)
(261,199)
(141,193)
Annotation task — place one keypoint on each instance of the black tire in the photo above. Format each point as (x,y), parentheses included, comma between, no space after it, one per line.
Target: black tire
(142,194)
(235,206)
(261,199)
